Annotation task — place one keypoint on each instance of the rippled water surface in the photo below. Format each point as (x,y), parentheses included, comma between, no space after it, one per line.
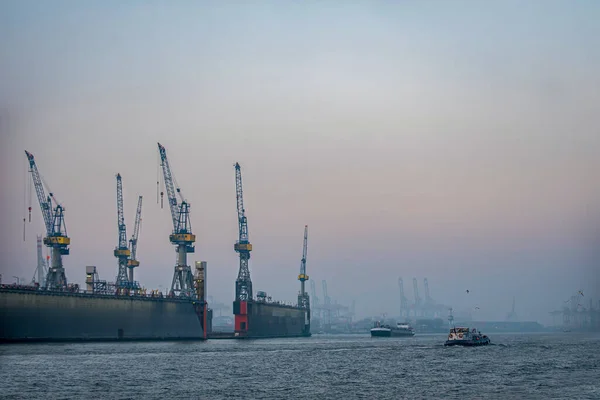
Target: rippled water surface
(516,366)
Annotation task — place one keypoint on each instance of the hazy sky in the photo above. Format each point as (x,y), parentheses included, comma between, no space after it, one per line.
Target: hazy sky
(457,141)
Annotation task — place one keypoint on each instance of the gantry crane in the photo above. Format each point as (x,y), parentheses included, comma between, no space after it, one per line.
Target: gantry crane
(133,261)
(403,299)
(182,236)
(418,300)
(303,299)
(428,299)
(56,230)
(316,306)
(122,252)
(243,283)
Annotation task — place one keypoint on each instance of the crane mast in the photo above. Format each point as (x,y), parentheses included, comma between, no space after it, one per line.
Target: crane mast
(56,230)
(303,299)
(243,283)
(133,262)
(182,236)
(122,252)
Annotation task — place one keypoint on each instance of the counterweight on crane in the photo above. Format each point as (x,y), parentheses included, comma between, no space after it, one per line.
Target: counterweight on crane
(303,299)
(56,230)
(133,261)
(182,236)
(122,252)
(243,283)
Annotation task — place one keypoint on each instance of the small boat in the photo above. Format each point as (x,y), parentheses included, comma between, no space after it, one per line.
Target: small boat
(388,331)
(466,337)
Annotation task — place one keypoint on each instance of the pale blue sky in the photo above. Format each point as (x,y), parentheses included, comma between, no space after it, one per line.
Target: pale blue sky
(429,138)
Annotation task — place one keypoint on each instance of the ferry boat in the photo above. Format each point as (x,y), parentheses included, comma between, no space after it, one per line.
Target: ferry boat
(399,330)
(466,337)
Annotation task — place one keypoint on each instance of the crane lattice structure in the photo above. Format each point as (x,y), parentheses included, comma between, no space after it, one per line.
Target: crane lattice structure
(403,300)
(243,283)
(56,230)
(303,298)
(133,261)
(182,236)
(122,252)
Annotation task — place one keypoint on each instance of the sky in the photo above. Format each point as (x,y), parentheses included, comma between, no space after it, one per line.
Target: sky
(456,141)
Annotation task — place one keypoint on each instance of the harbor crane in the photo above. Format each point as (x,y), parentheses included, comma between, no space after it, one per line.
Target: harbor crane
(56,230)
(303,299)
(416,293)
(182,236)
(133,261)
(243,283)
(428,299)
(315,300)
(122,252)
(403,300)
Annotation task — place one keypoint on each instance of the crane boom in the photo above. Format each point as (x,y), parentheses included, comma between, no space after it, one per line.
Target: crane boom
(133,262)
(56,229)
(136,230)
(303,298)
(121,251)
(239,194)
(243,283)
(182,236)
(45,202)
(168,178)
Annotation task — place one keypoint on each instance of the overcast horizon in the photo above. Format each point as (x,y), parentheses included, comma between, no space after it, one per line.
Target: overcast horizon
(454,141)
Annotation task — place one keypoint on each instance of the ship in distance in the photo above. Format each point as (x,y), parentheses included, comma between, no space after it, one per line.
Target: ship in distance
(384,330)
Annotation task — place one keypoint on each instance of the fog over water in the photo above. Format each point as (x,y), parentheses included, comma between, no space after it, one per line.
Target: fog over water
(454,141)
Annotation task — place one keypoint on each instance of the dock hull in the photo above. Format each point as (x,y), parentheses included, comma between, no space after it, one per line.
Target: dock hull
(384,333)
(259,320)
(38,316)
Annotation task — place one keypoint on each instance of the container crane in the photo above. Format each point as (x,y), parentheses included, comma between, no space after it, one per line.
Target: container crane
(122,252)
(428,299)
(56,230)
(182,236)
(243,283)
(303,299)
(133,261)
(315,300)
(417,297)
(403,300)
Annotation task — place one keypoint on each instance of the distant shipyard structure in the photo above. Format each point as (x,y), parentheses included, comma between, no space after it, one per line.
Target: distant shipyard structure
(420,308)
(577,314)
(328,316)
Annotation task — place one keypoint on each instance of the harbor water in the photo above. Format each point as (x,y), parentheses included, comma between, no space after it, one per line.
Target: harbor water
(515,366)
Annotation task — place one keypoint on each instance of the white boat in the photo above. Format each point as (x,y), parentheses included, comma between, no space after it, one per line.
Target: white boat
(466,337)
(401,329)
